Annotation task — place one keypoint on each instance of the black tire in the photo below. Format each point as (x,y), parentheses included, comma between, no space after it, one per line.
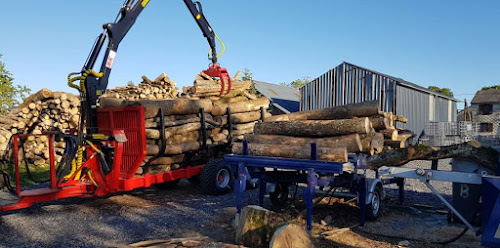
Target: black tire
(216,178)
(280,197)
(373,209)
(168,184)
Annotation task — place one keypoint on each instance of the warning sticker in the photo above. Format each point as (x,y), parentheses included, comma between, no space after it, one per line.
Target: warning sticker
(110,59)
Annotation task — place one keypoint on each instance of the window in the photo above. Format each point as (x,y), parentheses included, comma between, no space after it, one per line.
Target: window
(485,109)
(486,127)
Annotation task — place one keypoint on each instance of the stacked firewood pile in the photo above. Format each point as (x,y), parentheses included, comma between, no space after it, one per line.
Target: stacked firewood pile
(160,88)
(353,128)
(42,111)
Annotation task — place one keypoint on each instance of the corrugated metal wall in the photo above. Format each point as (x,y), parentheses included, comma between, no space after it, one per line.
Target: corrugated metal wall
(414,105)
(349,83)
(346,84)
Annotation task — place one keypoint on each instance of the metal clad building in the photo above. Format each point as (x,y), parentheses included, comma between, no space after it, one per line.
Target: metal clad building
(348,83)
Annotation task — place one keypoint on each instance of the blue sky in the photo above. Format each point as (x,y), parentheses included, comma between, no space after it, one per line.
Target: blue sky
(453,44)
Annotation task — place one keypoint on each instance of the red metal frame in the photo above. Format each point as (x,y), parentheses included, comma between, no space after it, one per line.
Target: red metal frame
(127,159)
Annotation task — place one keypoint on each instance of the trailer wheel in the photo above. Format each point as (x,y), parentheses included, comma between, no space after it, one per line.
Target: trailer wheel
(168,184)
(279,198)
(373,209)
(216,178)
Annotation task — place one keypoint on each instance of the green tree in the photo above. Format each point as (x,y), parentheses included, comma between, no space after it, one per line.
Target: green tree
(491,87)
(298,83)
(247,75)
(444,91)
(10,94)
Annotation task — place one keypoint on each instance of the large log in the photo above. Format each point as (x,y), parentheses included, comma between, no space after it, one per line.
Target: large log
(155,133)
(391,134)
(363,109)
(312,128)
(485,156)
(38,96)
(380,122)
(256,226)
(240,107)
(206,86)
(174,149)
(290,235)
(150,123)
(178,106)
(351,142)
(338,154)
(242,117)
(372,143)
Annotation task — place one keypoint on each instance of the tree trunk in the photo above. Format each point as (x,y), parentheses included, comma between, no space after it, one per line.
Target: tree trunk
(291,235)
(351,142)
(178,106)
(40,95)
(174,149)
(372,143)
(363,109)
(338,154)
(396,143)
(310,128)
(242,117)
(485,156)
(256,226)
(240,107)
(390,134)
(155,133)
(380,122)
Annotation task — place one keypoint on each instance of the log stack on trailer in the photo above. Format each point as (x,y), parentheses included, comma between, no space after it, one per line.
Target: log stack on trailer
(196,125)
(352,128)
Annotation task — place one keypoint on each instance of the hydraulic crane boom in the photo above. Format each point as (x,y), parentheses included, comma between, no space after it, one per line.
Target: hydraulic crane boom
(94,84)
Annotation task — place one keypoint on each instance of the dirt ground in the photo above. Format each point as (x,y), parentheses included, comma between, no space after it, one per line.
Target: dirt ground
(186,212)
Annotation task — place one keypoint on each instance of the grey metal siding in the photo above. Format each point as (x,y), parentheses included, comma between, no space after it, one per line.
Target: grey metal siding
(441,109)
(414,105)
(349,83)
(336,88)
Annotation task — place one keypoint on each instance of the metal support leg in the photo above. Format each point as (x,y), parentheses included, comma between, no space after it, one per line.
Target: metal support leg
(262,187)
(309,196)
(239,187)
(450,206)
(401,187)
(362,200)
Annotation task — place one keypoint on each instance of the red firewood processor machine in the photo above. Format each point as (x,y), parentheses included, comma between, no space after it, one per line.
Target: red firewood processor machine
(103,155)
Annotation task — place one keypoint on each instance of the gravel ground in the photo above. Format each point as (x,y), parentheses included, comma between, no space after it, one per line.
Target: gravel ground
(186,212)
(141,215)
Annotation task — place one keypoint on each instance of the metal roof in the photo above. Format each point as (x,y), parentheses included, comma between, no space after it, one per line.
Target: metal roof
(283,97)
(405,83)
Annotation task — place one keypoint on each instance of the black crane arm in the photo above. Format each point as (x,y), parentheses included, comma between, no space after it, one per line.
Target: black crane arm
(114,32)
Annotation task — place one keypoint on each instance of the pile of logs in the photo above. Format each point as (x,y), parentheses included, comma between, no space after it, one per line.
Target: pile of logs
(188,142)
(206,86)
(160,88)
(352,128)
